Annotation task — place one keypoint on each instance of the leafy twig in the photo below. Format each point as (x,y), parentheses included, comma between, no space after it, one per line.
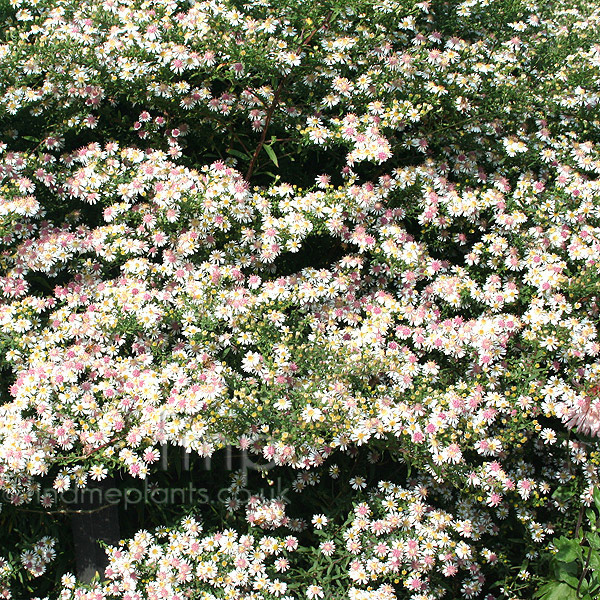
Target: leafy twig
(276,97)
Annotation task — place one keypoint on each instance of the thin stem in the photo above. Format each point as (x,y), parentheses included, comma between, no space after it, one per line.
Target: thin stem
(263,136)
(239,140)
(585,570)
(276,97)
(579,521)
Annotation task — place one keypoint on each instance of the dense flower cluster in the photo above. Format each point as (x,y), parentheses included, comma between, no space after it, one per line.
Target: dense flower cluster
(34,560)
(304,230)
(397,536)
(178,562)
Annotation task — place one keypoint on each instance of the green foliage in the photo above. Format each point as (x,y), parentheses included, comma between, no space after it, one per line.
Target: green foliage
(575,562)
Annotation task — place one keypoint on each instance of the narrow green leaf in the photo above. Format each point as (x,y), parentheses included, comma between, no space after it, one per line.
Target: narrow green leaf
(271,154)
(238,154)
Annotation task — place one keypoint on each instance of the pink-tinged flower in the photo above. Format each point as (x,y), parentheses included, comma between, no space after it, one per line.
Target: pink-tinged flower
(47,500)
(585,418)
(362,510)
(450,570)
(524,487)
(414,583)
(291,543)
(494,499)
(314,591)
(327,547)
(282,564)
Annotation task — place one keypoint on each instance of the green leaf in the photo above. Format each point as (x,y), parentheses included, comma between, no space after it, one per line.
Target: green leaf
(569,579)
(271,154)
(591,515)
(565,571)
(595,561)
(238,154)
(556,591)
(597,498)
(335,15)
(594,586)
(266,173)
(568,550)
(593,540)
(563,493)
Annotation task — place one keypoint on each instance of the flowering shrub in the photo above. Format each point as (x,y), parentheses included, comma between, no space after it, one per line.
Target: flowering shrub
(352,233)
(175,563)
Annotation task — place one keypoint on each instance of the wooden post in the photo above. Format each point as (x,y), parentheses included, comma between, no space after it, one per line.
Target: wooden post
(98,520)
